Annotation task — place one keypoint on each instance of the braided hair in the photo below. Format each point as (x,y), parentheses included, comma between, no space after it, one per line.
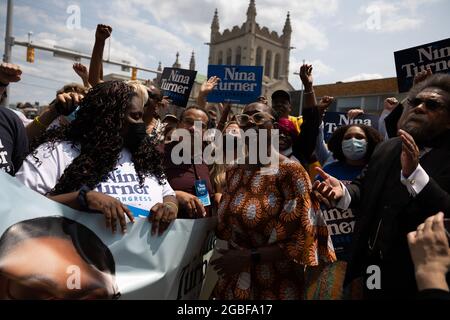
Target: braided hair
(96,132)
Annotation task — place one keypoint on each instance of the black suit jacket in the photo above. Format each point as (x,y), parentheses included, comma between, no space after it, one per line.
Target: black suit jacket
(387,212)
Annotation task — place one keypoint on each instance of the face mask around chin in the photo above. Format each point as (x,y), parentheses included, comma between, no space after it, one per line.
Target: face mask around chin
(354,149)
(133,139)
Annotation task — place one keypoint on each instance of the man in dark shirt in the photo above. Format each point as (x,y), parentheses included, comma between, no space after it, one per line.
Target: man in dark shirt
(187,178)
(13,137)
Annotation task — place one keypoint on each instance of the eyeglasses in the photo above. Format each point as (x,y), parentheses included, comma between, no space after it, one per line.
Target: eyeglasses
(190,122)
(431,105)
(258,118)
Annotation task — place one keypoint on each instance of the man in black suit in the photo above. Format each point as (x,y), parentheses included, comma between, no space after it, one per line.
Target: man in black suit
(406,181)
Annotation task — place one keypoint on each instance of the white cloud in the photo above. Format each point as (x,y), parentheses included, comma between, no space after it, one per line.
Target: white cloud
(320,70)
(363,76)
(393,16)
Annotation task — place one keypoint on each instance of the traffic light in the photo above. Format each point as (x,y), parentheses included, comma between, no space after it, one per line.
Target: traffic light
(134,74)
(30,54)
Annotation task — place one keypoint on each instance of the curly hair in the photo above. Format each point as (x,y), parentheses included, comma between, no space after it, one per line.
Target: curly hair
(440,81)
(96,132)
(335,143)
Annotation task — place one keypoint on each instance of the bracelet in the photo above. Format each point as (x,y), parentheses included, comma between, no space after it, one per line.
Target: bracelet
(39,123)
(81,198)
(172,204)
(3,85)
(309,92)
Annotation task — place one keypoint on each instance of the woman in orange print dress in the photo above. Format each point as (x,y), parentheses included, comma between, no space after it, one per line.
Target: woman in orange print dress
(271,225)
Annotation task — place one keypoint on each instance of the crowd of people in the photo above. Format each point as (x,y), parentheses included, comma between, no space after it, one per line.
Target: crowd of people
(107,147)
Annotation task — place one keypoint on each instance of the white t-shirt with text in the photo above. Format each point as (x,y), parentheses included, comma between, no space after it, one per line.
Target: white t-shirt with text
(122,183)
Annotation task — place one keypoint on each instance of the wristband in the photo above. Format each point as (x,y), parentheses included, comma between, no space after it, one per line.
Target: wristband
(2,85)
(37,120)
(81,198)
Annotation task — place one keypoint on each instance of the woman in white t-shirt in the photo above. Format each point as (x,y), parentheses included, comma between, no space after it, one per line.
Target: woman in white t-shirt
(103,161)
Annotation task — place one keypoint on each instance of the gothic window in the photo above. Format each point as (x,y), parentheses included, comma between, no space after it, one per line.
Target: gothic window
(220,58)
(258,56)
(268,64)
(238,56)
(276,73)
(229,56)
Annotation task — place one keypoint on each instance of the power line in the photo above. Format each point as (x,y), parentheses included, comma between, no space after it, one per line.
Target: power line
(45,78)
(34,85)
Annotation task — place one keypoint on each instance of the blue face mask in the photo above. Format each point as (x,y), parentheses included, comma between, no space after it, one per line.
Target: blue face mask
(354,149)
(73,115)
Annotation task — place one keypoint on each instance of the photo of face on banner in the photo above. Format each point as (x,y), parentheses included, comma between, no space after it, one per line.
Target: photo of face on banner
(55,258)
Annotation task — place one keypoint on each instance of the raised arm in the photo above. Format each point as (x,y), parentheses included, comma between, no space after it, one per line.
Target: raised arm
(205,89)
(81,70)
(307,80)
(96,67)
(8,73)
(64,104)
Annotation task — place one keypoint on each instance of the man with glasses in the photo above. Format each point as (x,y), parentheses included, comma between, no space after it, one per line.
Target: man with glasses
(406,181)
(191,180)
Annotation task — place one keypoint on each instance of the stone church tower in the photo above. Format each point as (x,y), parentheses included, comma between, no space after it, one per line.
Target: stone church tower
(253,45)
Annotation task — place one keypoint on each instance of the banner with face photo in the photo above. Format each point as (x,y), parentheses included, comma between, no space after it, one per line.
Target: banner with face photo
(50,251)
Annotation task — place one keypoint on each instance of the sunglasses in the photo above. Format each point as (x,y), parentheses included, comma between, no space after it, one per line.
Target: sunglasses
(431,105)
(258,118)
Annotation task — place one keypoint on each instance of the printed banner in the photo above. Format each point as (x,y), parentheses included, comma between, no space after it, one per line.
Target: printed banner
(333,120)
(48,250)
(238,84)
(177,85)
(409,62)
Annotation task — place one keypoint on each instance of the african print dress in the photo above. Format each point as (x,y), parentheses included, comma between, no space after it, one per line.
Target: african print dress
(261,210)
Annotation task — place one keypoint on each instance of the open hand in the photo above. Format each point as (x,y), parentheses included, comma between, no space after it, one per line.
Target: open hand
(410,154)
(209,85)
(330,188)
(113,210)
(191,204)
(306,76)
(162,217)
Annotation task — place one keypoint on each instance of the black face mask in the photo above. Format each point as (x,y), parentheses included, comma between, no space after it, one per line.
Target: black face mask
(136,134)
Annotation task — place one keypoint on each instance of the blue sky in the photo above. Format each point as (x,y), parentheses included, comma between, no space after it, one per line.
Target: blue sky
(345,40)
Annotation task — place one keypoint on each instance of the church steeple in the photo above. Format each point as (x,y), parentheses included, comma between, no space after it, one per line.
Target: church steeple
(251,17)
(215,27)
(177,62)
(215,23)
(287,30)
(192,62)
(251,12)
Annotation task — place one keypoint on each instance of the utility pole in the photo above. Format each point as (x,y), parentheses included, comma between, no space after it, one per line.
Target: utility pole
(9,40)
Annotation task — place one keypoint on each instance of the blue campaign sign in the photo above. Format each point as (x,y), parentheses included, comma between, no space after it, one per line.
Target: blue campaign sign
(238,84)
(334,120)
(408,62)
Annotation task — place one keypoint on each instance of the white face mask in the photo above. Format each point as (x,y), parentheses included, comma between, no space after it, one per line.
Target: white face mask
(354,149)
